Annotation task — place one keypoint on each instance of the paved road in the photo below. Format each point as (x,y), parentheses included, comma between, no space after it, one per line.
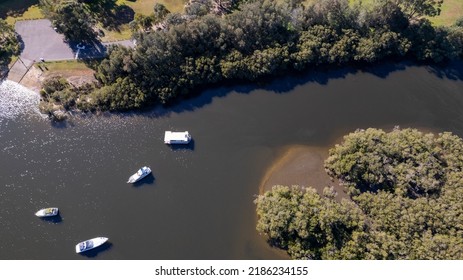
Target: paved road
(42,41)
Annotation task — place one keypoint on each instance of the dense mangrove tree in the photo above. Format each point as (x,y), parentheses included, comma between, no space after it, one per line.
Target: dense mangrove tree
(406,193)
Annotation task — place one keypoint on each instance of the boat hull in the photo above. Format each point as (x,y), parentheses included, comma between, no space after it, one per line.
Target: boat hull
(47,212)
(90,244)
(137,176)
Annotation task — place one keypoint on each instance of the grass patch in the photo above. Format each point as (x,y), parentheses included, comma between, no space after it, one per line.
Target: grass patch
(124,33)
(33,12)
(451,11)
(66,65)
(15,7)
(13,10)
(13,61)
(145,7)
(76,72)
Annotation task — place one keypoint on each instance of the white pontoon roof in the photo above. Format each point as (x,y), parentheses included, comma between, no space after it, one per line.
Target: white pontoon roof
(170,136)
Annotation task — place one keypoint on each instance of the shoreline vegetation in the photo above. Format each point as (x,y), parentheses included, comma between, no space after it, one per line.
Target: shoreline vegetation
(243,40)
(9,46)
(404,201)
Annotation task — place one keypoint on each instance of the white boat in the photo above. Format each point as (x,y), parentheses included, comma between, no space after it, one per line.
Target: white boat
(47,212)
(141,173)
(90,244)
(171,137)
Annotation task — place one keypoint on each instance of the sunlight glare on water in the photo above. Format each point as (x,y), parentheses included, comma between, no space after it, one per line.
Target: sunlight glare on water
(16,100)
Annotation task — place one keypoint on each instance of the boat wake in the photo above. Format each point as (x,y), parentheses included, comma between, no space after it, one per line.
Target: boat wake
(16,100)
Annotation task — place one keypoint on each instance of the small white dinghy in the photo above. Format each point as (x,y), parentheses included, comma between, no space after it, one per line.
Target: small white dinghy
(47,212)
(141,173)
(90,244)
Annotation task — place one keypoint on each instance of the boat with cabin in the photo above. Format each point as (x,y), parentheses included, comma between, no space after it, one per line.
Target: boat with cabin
(171,137)
(47,212)
(140,174)
(90,244)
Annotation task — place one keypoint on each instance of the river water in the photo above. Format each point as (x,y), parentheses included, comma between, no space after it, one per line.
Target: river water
(199,202)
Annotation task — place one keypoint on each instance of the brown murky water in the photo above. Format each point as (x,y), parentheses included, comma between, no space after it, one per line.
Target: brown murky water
(199,202)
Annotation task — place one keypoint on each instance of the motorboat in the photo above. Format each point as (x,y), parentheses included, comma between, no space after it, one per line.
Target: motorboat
(47,212)
(140,174)
(171,137)
(90,244)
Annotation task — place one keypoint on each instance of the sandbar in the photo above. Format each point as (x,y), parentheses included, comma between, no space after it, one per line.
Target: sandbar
(302,166)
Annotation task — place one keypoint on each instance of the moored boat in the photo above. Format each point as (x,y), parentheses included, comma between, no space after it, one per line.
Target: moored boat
(140,174)
(90,244)
(47,212)
(171,137)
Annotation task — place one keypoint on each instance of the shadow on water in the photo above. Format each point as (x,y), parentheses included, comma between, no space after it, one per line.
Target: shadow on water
(61,124)
(148,180)
(189,146)
(385,69)
(322,76)
(284,84)
(452,71)
(275,84)
(53,220)
(94,252)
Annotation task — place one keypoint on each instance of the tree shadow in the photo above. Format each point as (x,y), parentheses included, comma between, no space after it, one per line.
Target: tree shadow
(124,14)
(111,15)
(280,84)
(4,70)
(383,70)
(20,42)
(6,59)
(15,8)
(61,124)
(88,50)
(452,70)
(94,252)
(287,82)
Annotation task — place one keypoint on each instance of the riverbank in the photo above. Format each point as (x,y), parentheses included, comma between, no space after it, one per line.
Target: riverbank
(302,166)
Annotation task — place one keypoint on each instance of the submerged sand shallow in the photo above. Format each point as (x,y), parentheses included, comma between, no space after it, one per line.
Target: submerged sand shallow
(303,166)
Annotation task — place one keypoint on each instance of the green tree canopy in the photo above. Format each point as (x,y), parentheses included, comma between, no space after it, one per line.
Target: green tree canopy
(71,18)
(406,189)
(9,45)
(418,8)
(406,162)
